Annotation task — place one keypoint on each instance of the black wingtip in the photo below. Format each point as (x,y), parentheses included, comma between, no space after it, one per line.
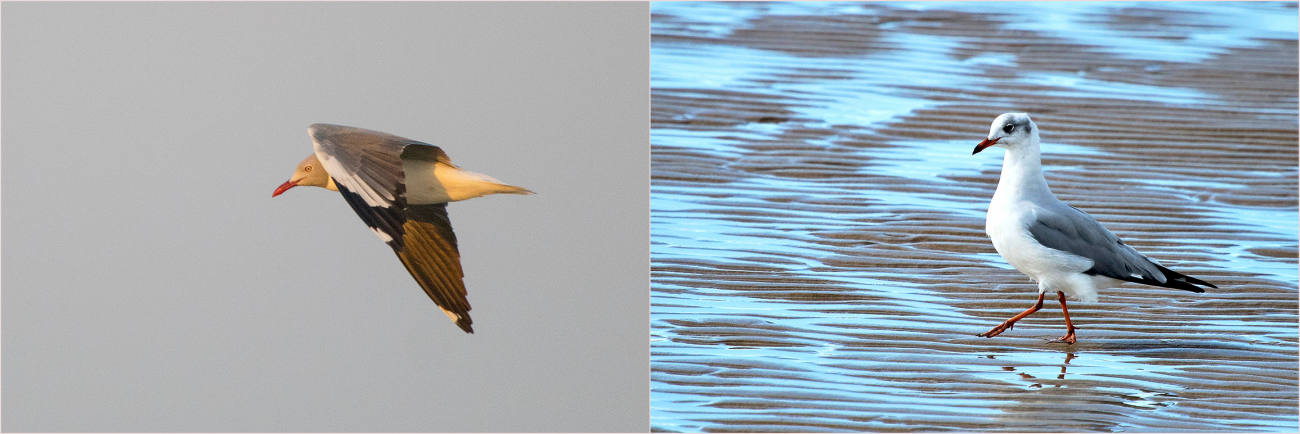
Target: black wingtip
(1196,281)
(464,324)
(1178,284)
(1184,282)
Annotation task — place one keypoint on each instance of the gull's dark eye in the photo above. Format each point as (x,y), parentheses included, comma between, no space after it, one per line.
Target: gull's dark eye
(306,169)
(1009,128)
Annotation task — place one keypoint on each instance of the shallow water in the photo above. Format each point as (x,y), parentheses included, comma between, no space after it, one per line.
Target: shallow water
(819,261)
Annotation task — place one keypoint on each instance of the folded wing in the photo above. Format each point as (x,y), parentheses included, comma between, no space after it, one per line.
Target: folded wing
(1073,231)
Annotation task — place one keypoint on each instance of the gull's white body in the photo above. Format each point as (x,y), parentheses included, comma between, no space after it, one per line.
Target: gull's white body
(1022,193)
(441,183)
(1062,248)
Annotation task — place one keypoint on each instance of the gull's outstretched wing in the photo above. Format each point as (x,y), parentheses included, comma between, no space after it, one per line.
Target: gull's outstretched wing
(367,168)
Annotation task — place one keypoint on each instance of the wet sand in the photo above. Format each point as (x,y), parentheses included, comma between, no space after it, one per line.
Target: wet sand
(819,261)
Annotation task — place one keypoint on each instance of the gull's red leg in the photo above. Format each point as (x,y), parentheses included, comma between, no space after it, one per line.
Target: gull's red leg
(1069,335)
(1006,325)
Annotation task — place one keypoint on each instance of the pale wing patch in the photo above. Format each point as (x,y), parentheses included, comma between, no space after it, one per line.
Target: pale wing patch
(382,235)
(351,181)
(454,317)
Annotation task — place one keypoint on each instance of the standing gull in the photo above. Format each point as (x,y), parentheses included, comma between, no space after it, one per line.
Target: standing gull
(400,188)
(1063,249)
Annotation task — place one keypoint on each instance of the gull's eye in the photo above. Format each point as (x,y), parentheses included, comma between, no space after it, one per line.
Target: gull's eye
(306,169)
(1009,128)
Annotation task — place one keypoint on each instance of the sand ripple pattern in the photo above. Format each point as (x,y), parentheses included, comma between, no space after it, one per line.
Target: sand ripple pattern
(818,255)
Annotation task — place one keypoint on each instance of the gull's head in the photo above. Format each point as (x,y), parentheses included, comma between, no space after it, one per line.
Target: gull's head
(309,172)
(1009,131)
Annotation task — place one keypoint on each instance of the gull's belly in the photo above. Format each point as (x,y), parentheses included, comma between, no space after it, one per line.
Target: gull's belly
(1016,249)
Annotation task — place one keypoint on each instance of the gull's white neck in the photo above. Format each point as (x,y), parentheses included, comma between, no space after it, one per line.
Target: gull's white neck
(1022,174)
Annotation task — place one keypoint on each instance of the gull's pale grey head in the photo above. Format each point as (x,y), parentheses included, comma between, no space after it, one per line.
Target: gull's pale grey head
(309,172)
(1008,131)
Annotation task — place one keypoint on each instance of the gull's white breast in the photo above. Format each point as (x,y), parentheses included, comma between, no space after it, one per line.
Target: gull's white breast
(1054,270)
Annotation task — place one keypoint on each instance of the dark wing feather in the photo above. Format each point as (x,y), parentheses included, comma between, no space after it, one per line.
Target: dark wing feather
(1075,232)
(1182,281)
(433,259)
(388,220)
(426,152)
(367,168)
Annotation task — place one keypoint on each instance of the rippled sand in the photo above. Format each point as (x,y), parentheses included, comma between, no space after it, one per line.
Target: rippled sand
(819,261)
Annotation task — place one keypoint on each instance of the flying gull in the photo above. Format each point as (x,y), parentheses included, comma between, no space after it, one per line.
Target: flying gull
(1062,248)
(400,188)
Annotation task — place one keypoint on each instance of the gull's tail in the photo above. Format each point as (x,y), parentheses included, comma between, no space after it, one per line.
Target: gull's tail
(513,189)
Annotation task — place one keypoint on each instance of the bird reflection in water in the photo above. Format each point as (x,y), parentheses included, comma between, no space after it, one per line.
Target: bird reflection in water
(1068,358)
(1026,376)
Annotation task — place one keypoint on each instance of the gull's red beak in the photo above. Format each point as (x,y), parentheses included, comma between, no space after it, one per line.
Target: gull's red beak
(287,185)
(986,143)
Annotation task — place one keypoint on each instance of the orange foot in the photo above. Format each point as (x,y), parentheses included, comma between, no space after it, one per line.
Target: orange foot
(1067,339)
(997,330)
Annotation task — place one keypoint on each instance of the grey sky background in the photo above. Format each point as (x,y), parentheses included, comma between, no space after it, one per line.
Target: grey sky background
(151,283)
